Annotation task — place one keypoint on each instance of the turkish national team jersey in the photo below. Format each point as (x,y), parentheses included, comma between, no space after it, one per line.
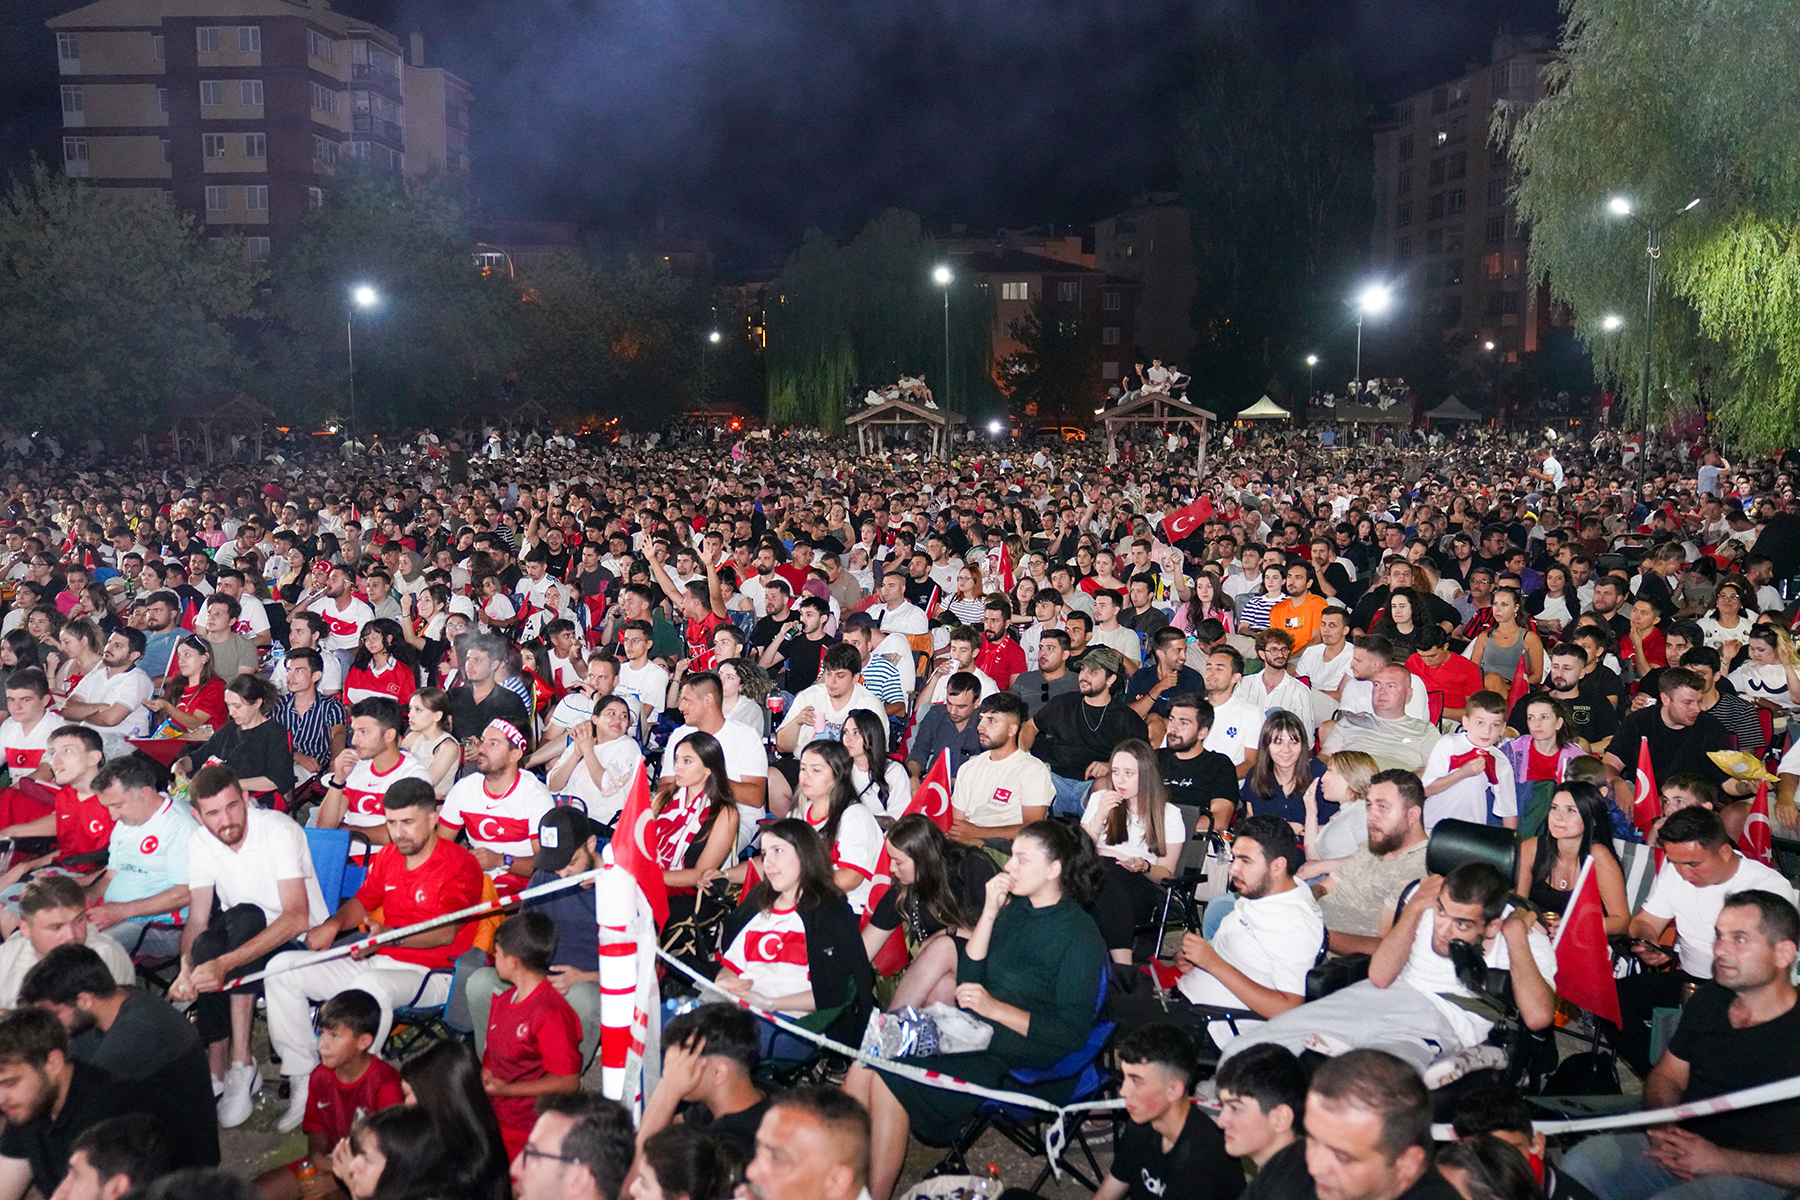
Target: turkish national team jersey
(398,682)
(82,825)
(366,786)
(530,1039)
(504,824)
(332,1106)
(448,880)
(858,848)
(24,748)
(771,953)
(343,626)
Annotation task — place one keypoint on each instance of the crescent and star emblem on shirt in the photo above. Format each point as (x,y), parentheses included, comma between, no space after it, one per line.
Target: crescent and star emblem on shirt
(148,845)
(768,947)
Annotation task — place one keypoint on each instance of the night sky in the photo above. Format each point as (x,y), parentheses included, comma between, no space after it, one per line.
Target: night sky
(746,121)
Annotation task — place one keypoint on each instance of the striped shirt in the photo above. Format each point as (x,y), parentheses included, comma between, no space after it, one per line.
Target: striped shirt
(311,730)
(882,677)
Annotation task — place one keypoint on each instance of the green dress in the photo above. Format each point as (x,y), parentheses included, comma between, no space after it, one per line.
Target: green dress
(1046,961)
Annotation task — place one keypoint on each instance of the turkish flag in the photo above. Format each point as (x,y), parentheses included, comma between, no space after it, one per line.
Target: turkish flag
(932,799)
(1182,522)
(1758,841)
(632,849)
(1584,970)
(1000,567)
(1645,806)
(1521,686)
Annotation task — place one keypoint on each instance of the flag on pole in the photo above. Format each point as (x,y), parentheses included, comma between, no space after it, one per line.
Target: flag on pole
(632,850)
(1000,567)
(1584,970)
(931,605)
(631,904)
(1646,807)
(932,799)
(1758,840)
(190,613)
(1182,522)
(1521,686)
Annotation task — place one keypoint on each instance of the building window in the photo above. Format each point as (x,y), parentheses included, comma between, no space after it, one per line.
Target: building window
(1456,200)
(1496,192)
(1403,249)
(68,48)
(1017,290)
(361,151)
(212,93)
(216,199)
(1500,79)
(1403,214)
(206,38)
(1496,155)
(256,197)
(324,150)
(320,47)
(165,149)
(256,249)
(1494,229)
(1109,301)
(1434,241)
(1457,165)
(1440,100)
(1434,174)
(250,93)
(315,198)
(250,39)
(75,149)
(1459,128)
(1403,181)
(323,98)
(1434,208)
(71,99)
(1406,148)
(1453,272)
(1065,291)
(156,46)
(1109,335)
(256,145)
(212,145)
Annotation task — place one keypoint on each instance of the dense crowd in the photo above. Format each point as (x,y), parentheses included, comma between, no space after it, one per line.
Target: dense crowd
(1229,690)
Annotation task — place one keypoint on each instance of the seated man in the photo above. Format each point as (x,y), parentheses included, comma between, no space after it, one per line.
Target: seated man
(1739,1030)
(77,819)
(116,1156)
(1502,1112)
(709,1054)
(52,913)
(49,1099)
(1259,956)
(1449,920)
(145,887)
(1003,789)
(111,701)
(416,876)
(151,1055)
(1262,1093)
(499,807)
(1389,734)
(1368,1131)
(1169,1150)
(1358,898)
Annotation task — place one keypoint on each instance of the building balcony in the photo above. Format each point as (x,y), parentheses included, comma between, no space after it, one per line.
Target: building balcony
(369,73)
(369,123)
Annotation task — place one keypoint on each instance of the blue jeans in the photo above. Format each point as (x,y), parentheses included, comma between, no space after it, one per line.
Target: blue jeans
(1615,1166)
(776,1043)
(1070,795)
(1217,909)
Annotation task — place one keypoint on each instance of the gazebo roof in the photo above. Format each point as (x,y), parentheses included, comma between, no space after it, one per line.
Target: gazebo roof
(1264,408)
(1453,409)
(228,408)
(1158,405)
(897,412)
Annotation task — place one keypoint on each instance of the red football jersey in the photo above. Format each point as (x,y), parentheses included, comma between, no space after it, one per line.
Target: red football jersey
(448,880)
(82,825)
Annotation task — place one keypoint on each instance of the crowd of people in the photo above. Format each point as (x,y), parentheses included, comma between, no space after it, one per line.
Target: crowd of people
(1262,685)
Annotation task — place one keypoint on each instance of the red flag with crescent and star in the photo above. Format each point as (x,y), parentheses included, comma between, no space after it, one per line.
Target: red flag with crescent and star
(1584,968)
(1182,522)
(1758,839)
(1645,806)
(632,849)
(933,799)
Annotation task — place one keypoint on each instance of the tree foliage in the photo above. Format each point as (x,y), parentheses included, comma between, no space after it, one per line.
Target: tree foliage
(1663,101)
(112,309)
(1056,369)
(1275,161)
(843,319)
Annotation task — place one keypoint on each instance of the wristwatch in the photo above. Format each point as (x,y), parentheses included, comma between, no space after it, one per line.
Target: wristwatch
(506,861)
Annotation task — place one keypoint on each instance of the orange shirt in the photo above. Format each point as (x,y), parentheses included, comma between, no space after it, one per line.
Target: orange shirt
(1298,618)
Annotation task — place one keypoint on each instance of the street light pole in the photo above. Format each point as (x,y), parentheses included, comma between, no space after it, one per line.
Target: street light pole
(944,277)
(1312,364)
(1372,300)
(1653,231)
(361,296)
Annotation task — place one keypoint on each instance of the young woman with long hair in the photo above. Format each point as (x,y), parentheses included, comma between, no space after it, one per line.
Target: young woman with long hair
(1402,618)
(1770,678)
(681,1162)
(394,1153)
(830,804)
(1031,969)
(1138,833)
(1497,650)
(1555,605)
(1284,771)
(967,606)
(1727,627)
(384,665)
(1546,748)
(937,889)
(252,743)
(1578,827)
(881,783)
(444,1080)
(1200,602)
(193,697)
(600,762)
(744,685)
(429,739)
(693,832)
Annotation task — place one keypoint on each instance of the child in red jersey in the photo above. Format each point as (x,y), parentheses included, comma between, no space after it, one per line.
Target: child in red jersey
(534,1037)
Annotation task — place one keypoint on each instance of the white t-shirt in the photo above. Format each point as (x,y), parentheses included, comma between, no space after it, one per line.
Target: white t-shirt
(745,755)
(25,748)
(1695,910)
(1325,674)
(941,690)
(343,626)
(365,786)
(770,951)
(646,686)
(573,709)
(273,849)
(1347,829)
(899,790)
(253,617)
(990,791)
(1137,843)
(502,824)
(1236,729)
(1468,799)
(131,688)
(907,618)
(834,717)
(329,684)
(603,797)
(1431,974)
(18,956)
(1359,697)
(1274,940)
(858,848)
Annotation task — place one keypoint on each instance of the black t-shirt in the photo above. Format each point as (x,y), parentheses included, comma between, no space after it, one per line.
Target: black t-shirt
(969,875)
(1195,1168)
(800,661)
(1070,738)
(1591,713)
(158,1066)
(1197,782)
(736,1130)
(1283,1177)
(468,718)
(598,582)
(1723,1059)
(768,630)
(45,1143)
(1671,750)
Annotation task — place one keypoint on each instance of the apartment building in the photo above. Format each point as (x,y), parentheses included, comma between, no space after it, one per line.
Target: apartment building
(1445,231)
(1151,243)
(241,109)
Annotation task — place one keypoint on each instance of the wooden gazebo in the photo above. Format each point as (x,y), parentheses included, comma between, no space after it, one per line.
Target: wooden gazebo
(1155,408)
(903,414)
(224,415)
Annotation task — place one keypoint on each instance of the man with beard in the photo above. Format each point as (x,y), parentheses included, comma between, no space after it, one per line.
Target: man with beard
(48,1099)
(1259,956)
(1052,677)
(150,1054)
(344,615)
(1195,776)
(1003,789)
(1075,735)
(1357,898)
(998,657)
(1423,963)
(499,806)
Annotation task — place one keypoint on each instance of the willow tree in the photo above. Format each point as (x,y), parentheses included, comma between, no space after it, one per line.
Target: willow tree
(1662,102)
(844,319)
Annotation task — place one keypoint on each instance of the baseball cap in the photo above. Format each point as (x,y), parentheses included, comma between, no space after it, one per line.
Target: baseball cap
(561,832)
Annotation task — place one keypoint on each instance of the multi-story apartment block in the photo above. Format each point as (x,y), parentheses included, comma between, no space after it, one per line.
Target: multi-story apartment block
(241,109)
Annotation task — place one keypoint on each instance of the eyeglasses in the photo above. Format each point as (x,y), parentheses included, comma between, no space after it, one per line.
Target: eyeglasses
(531,1151)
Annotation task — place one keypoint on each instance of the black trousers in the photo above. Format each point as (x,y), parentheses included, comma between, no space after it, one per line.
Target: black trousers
(1127,900)
(1639,996)
(224,933)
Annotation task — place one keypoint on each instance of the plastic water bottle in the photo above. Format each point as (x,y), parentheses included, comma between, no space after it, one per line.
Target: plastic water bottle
(277,661)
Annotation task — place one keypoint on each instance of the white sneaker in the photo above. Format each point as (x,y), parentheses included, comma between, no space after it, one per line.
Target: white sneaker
(237,1102)
(218,1087)
(296,1109)
(1451,1067)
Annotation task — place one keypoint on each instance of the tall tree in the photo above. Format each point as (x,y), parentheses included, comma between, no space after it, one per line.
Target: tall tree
(112,308)
(1662,101)
(1053,376)
(1275,160)
(843,319)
